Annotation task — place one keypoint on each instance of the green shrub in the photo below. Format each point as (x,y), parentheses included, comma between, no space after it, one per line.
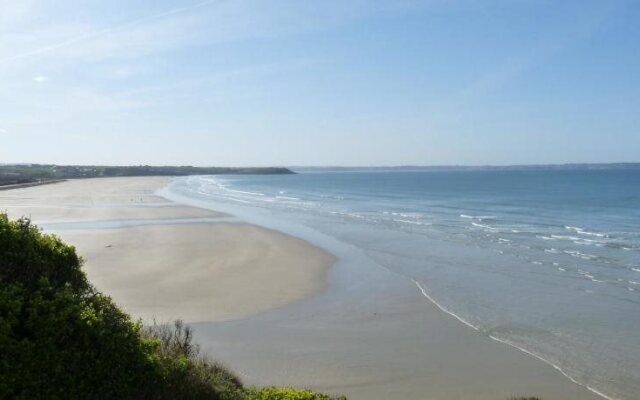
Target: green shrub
(27,256)
(187,374)
(524,398)
(287,393)
(59,338)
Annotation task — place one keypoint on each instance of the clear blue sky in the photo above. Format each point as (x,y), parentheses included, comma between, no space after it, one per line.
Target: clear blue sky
(319,82)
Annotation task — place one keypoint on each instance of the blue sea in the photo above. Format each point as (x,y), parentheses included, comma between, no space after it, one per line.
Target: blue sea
(544,260)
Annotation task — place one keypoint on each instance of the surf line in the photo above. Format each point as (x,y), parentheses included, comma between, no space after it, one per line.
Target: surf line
(424,292)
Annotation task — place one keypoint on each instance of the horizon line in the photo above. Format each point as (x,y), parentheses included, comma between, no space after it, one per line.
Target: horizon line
(567,164)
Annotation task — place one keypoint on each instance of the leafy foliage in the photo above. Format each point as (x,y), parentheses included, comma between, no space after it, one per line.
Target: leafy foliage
(28,256)
(186,374)
(59,338)
(524,398)
(287,393)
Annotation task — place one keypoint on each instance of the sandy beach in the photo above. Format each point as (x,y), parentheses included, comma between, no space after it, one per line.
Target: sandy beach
(271,307)
(177,261)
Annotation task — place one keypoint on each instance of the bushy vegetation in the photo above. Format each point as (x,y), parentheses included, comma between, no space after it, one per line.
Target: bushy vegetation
(61,339)
(287,393)
(524,398)
(186,374)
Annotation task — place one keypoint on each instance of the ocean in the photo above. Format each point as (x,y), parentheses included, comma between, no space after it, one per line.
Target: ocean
(547,261)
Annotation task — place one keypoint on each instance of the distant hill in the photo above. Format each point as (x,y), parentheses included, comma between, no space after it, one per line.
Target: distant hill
(11,174)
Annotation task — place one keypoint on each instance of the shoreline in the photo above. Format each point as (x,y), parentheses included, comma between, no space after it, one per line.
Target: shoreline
(425,293)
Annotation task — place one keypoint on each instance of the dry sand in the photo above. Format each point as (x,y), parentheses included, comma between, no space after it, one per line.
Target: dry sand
(95,199)
(200,272)
(205,271)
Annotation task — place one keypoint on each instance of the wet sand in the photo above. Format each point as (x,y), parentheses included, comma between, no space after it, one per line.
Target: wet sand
(380,339)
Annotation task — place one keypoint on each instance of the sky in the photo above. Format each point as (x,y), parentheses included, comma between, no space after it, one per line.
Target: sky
(319,83)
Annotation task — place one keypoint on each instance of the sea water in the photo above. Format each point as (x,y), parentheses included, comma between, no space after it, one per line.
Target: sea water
(544,260)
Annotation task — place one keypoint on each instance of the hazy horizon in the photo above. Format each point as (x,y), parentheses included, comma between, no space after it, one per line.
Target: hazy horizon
(290,83)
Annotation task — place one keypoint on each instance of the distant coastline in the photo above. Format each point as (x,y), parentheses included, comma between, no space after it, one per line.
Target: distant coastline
(515,167)
(31,174)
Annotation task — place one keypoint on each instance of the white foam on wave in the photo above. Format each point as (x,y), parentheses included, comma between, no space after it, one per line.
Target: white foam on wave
(426,294)
(558,368)
(545,237)
(582,231)
(477,217)
(578,254)
(589,241)
(288,198)
(486,227)
(635,269)
(355,215)
(236,199)
(564,237)
(224,197)
(589,276)
(207,193)
(592,234)
(585,242)
(245,192)
(334,197)
(411,222)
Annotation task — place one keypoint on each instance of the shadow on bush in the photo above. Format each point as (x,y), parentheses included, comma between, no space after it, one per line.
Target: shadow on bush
(186,373)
